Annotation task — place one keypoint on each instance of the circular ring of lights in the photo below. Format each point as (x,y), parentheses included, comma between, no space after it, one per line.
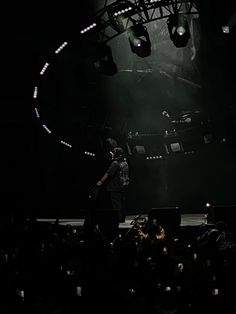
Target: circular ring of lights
(141,12)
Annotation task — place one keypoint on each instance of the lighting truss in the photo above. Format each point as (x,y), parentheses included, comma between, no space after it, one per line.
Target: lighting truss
(138,12)
(143,12)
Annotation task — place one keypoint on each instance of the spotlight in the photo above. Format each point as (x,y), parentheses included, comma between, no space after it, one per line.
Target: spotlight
(103,60)
(178,29)
(225,29)
(139,40)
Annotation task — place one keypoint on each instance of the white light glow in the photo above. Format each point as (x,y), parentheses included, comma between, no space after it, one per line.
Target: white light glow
(89,153)
(154,157)
(44,68)
(35,92)
(122,11)
(61,47)
(225,29)
(88,28)
(36,112)
(47,129)
(180,30)
(66,144)
(137,42)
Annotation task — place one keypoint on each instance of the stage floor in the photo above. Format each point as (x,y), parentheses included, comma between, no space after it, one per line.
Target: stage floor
(186,220)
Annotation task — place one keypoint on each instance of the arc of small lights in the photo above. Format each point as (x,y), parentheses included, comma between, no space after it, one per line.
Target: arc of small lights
(139,12)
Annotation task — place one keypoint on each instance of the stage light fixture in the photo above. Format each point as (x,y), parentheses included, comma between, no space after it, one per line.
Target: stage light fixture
(118,12)
(103,60)
(172,142)
(175,147)
(225,29)
(178,29)
(139,40)
(139,150)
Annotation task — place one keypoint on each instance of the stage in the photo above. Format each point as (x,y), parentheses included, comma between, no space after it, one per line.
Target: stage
(186,220)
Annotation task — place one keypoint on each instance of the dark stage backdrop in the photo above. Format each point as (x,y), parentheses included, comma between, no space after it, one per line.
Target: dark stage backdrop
(41,177)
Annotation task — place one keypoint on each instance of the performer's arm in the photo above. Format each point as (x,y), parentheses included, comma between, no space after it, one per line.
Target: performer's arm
(109,173)
(102,180)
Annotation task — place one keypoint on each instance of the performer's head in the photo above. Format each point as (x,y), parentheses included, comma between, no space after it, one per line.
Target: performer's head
(118,153)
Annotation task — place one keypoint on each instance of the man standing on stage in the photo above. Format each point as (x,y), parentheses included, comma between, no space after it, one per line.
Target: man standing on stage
(117,177)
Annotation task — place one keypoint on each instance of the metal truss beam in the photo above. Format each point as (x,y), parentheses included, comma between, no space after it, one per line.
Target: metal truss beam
(143,12)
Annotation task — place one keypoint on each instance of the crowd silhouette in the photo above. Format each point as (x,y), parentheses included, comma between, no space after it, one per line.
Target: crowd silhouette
(53,268)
